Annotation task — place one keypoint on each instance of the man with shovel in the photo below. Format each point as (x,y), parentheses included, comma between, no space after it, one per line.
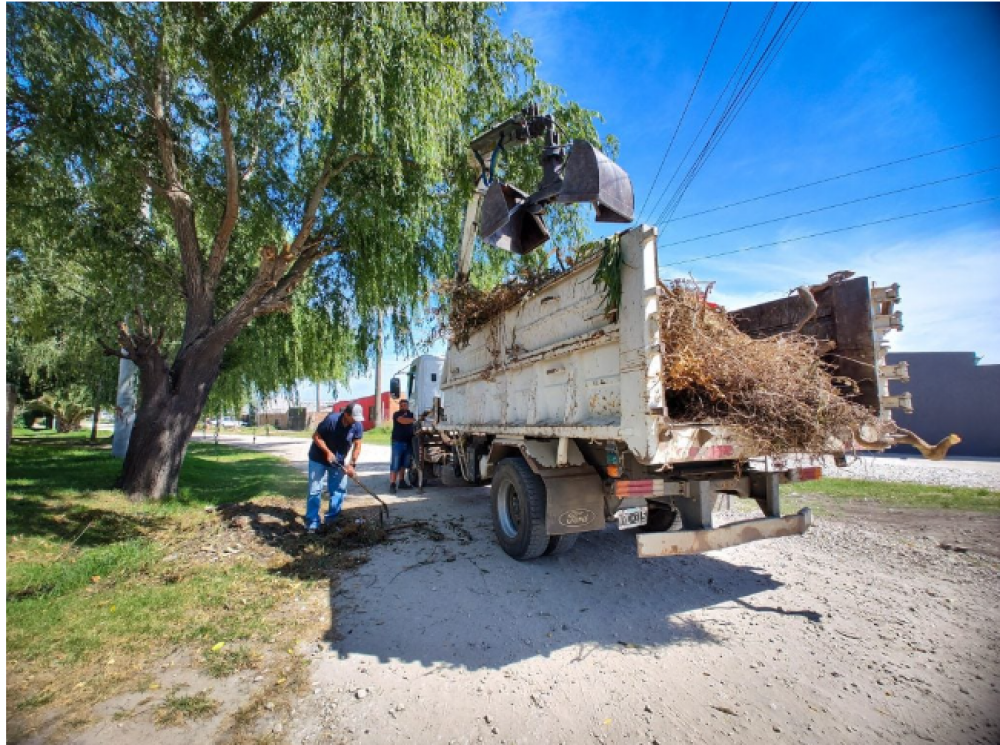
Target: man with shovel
(336,437)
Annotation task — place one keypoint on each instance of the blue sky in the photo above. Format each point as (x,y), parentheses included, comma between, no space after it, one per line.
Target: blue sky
(856,85)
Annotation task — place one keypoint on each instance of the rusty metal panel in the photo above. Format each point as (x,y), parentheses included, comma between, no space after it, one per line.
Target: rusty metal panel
(844,315)
(651,545)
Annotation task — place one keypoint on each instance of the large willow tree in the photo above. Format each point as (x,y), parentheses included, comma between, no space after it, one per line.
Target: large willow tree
(242,188)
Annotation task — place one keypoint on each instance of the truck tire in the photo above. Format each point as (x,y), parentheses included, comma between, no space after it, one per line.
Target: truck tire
(518,499)
(561,544)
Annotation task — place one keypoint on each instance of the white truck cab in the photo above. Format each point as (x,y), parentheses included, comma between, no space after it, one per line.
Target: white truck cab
(419,383)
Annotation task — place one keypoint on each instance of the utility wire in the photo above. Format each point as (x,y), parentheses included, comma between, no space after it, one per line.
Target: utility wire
(735,107)
(686,106)
(835,178)
(736,74)
(732,105)
(739,110)
(829,232)
(834,206)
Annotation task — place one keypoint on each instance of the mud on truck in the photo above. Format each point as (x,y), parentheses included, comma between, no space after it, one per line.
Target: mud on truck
(561,407)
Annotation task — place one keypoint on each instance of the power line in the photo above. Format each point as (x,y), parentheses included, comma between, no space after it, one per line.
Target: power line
(742,104)
(833,206)
(735,106)
(736,74)
(829,232)
(686,106)
(835,178)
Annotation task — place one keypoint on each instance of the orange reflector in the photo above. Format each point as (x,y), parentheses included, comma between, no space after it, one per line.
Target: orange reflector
(812,473)
(614,471)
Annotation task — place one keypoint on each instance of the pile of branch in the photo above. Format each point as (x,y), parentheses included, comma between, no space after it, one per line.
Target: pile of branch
(776,390)
(470,308)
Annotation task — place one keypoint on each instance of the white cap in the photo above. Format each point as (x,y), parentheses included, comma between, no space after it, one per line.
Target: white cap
(356,412)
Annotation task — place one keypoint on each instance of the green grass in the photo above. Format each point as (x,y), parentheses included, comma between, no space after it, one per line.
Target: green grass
(94,578)
(175,710)
(898,494)
(375,436)
(221,663)
(379,435)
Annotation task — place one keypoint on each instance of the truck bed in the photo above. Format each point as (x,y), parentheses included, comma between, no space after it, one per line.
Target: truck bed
(556,365)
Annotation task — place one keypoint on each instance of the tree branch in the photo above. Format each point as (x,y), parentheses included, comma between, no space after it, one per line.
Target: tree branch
(112,352)
(330,171)
(251,164)
(257,10)
(220,246)
(177,197)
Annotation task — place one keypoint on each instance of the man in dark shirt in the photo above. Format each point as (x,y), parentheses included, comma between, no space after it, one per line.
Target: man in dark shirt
(336,436)
(402,436)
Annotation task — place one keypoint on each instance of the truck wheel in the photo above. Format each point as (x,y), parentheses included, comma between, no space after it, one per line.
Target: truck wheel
(415,476)
(561,544)
(518,499)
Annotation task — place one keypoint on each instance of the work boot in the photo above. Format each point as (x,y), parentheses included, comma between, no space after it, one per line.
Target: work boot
(392,488)
(403,485)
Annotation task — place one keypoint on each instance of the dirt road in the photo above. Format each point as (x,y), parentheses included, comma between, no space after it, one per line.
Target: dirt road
(846,634)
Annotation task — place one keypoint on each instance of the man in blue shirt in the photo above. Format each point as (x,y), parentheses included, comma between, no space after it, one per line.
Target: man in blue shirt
(402,436)
(336,436)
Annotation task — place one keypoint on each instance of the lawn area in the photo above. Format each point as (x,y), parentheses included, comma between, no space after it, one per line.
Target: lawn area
(101,588)
(374,436)
(845,492)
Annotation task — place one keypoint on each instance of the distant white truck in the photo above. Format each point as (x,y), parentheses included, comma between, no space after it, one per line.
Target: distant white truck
(562,411)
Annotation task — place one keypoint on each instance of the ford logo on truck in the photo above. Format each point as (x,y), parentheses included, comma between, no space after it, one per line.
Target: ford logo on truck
(576,518)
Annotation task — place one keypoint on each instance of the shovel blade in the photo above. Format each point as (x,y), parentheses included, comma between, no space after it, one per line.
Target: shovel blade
(590,176)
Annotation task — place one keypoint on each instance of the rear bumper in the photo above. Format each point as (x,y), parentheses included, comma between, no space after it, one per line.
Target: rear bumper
(681,542)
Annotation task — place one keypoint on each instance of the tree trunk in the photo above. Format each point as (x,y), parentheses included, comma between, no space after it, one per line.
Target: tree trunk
(94,421)
(378,373)
(169,409)
(11,401)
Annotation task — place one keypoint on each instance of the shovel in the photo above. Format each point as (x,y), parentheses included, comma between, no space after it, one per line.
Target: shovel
(383,509)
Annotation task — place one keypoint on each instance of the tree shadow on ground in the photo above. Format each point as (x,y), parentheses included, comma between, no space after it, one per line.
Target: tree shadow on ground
(39,466)
(84,526)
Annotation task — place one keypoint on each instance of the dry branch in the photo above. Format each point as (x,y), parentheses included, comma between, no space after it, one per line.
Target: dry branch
(776,390)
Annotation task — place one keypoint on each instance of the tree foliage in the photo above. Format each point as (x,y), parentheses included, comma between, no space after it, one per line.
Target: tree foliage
(252,181)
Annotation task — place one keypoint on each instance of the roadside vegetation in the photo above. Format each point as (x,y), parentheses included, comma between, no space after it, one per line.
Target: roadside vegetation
(104,593)
(375,436)
(902,494)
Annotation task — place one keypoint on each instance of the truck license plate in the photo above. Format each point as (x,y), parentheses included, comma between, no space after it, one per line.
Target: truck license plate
(632,517)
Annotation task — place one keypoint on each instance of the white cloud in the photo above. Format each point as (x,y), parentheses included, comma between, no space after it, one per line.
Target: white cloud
(949,284)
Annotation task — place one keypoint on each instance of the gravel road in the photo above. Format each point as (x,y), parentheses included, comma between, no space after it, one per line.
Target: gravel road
(878,625)
(850,633)
(975,472)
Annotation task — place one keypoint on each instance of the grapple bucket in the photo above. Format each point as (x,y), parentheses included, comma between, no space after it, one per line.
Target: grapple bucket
(505,223)
(500,199)
(590,176)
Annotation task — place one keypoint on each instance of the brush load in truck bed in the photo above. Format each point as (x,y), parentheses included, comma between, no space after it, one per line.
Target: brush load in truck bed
(669,374)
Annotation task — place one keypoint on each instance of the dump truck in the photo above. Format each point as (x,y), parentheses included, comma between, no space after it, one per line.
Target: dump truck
(562,411)
(560,406)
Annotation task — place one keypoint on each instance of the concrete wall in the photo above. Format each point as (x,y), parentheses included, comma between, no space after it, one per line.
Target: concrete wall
(951,393)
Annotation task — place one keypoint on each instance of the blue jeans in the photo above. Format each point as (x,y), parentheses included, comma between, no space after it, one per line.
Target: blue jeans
(336,484)
(400,456)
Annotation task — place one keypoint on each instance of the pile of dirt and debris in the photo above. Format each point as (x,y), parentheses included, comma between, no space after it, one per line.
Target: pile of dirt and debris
(776,390)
